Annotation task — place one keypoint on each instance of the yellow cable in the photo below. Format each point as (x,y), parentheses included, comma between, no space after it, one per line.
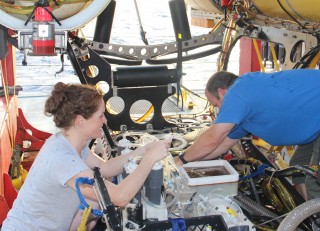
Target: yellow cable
(255,44)
(185,94)
(84,220)
(217,25)
(280,163)
(227,38)
(142,118)
(6,94)
(274,56)
(15,102)
(314,61)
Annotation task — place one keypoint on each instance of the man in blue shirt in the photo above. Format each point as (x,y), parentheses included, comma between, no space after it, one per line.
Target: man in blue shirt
(282,108)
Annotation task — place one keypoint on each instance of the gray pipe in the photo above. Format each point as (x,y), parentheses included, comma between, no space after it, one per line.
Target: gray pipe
(254,207)
(299,214)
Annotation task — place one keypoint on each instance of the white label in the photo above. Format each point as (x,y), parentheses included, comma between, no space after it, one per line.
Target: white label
(43,30)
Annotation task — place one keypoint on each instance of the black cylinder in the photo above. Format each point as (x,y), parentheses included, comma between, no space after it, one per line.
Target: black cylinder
(281,53)
(153,185)
(264,50)
(3,42)
(180,19)
(104,22)
(144,76)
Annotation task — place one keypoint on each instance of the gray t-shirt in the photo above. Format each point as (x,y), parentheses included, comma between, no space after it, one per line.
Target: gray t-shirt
(45,202)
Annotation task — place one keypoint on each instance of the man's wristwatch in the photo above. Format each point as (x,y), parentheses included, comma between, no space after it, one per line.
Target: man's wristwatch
(181,157)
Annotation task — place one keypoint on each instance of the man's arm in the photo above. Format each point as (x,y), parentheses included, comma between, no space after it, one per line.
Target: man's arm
(206,144)
(223,148)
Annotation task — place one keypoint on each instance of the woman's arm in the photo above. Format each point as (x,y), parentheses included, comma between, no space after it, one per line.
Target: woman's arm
(114,166)
(128,188)
(108,168)
(122,193)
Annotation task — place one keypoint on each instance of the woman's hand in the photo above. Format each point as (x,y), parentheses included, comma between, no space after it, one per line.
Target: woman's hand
(148,147)
(157,150)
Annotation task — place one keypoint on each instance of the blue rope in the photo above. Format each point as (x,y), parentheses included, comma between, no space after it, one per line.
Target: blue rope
(178,224)
(260,170)
(84,204)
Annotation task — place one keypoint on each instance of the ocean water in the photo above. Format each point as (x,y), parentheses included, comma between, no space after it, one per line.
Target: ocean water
(39,76)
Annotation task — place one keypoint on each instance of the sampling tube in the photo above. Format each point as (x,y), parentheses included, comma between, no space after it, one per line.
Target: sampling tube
(153,184)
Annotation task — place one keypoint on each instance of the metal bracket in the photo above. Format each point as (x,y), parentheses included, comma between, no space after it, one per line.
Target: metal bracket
(147,52)
(285,37)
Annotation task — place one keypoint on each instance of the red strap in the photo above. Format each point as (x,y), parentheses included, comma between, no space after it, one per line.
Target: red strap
(4,209)
(6,201)
(10,193)
(224,3)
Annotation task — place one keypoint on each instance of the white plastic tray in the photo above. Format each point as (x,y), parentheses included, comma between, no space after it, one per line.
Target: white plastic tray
(227,182)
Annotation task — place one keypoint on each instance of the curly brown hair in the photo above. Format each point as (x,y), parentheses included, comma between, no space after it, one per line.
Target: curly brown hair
(69,100)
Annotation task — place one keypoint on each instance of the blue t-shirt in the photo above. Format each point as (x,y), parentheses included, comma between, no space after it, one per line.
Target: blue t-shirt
(282,108)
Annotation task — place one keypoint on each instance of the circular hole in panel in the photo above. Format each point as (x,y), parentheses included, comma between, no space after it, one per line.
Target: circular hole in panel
(141,111)
(131,51)
(104,87)
(83,58)
(115,105)
(143,51)
(169,108)
(92,71)
(155,50)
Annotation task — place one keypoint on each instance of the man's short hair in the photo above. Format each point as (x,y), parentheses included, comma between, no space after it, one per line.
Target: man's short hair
(220,79)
